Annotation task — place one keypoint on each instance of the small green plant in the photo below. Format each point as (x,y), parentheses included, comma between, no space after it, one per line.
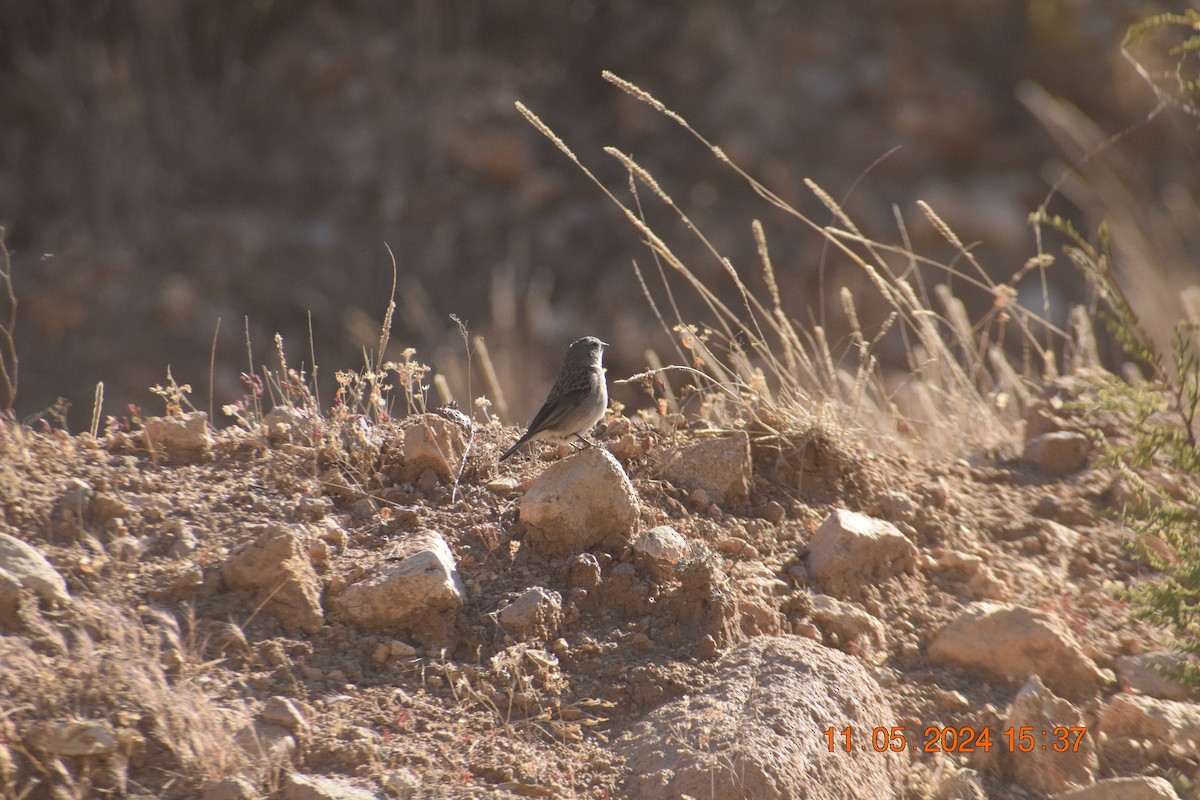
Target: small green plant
(1172,40)
(1158,458)
(1160,463)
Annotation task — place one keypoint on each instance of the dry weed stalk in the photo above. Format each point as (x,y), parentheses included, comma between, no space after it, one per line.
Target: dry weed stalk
(9,364)
(956,371)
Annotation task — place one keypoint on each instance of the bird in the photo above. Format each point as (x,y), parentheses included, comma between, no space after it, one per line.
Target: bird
(578,399)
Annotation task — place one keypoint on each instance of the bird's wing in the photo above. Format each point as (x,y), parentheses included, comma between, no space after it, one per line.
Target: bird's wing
(553,412)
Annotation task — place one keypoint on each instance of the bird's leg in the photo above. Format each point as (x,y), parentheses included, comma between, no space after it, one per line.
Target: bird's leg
(586,441)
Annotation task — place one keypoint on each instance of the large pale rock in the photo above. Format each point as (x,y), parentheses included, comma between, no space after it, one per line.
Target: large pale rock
(277,565)
(850,550)
(756,731)
(1043,769)
(432,442)
(21,563)
(721,467)
(420,594)
(1169,726)
(297,786)
(74,738)
(1140,788)
(1058,453)
(282,711)
(183,439)
(1013,643)
(579,502)
(1148,674)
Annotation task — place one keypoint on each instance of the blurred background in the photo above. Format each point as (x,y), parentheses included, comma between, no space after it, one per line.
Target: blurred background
(164,165)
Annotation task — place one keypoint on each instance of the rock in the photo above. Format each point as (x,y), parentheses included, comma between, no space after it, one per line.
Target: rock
(1167,724)
(757,617)
(720,467)
(297,786)
(276,563)
(106,508)
(659,549)
(188,579)
(579,502)
(1042,769)
(183,541)
(502,486)
(534,615)
(403,783)
(705,744)
(283,712)
(985,585)
(126,549)
(25,565)
(331,531)
(964,784)
(1057,539)
(773,512)
(1140,788)
(584,571)
(312,509)
(737,546)
(182,440)
(897,507)
(1058,453)
(432,442)
(233,788)
(957,565)
(849,628)
(1013,643)
(78,738)
(850,550)
(289,424)
(1144,674)
(627,446)
(268,745)
(420,594)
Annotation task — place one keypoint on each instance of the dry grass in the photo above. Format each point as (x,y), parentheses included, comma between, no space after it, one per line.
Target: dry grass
(8,323)
(137,670)
(961,386)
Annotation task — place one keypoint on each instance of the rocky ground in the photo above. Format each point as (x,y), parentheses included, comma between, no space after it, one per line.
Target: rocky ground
(317,609)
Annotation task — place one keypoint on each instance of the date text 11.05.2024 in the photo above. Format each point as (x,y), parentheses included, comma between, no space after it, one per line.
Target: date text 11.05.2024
(939,739)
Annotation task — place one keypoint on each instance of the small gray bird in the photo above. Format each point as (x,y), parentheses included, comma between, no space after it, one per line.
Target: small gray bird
(578,399)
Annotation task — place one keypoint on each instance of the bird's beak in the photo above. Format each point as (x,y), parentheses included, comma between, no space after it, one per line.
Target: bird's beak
(605,344)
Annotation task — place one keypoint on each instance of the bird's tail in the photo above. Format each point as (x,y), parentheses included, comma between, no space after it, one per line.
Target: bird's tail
(514,448)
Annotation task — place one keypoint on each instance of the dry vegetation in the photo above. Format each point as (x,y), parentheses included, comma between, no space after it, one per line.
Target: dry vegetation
(252,171)
(163,674)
